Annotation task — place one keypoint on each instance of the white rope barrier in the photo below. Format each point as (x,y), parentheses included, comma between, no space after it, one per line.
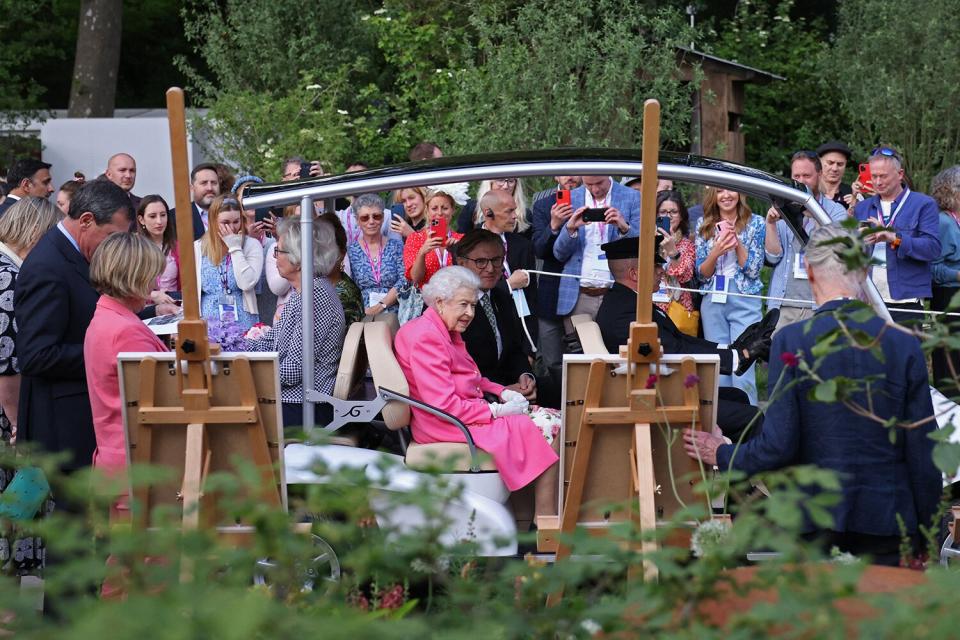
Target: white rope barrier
(793,301)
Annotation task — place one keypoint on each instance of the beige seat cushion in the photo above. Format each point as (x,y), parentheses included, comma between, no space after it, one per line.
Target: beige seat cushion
(386,371)
(353,363)
(591,339)
(445,456)
(580,318)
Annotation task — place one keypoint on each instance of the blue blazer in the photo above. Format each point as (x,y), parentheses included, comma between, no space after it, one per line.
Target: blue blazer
(878,479)
(569,250)
(918,223)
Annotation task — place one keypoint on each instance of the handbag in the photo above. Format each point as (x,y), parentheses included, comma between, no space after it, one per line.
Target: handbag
(687,322)
(411,304)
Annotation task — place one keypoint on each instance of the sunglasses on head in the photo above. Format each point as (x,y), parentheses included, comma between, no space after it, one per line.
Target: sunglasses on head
(885,151)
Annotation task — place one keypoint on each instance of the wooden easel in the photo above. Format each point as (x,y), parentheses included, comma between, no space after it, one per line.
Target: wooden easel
(642,407)
(192,425)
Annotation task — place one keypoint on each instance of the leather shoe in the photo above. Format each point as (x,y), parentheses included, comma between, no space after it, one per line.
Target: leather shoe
(756,340)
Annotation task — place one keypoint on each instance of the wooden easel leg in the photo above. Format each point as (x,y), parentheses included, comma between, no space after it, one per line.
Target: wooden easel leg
(646,492)
(256,432)
(581,461)
(193,475)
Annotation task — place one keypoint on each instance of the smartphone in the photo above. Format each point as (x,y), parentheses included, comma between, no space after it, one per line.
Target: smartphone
(595,215)
(304,170)
(261,214)
(722,226)
(563,196)
(865,178)
(663,222)
(438,227)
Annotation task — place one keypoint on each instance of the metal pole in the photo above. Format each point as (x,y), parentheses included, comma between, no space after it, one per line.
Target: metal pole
(306,299)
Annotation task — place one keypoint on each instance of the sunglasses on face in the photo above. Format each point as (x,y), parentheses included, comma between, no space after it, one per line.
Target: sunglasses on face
(367,216)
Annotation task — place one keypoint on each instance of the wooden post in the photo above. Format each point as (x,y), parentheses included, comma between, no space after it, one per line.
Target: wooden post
(648,208)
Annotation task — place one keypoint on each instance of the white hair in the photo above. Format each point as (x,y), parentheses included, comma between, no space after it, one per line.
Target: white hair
(824,257)
(326,254)
(367,200)
(445,283)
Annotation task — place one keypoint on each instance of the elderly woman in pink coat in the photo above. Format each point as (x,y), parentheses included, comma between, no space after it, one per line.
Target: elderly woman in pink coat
(522,440)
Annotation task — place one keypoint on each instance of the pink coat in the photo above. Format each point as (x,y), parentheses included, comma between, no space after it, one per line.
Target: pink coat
(114,329)
(441,373)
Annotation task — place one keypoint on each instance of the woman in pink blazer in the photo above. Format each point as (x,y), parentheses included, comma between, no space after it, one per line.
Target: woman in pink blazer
(441,373)
(123,269)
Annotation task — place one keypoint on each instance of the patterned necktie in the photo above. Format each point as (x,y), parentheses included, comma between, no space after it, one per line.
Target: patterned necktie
(488,311)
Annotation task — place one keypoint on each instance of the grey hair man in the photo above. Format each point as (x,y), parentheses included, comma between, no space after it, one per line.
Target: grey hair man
(799,429)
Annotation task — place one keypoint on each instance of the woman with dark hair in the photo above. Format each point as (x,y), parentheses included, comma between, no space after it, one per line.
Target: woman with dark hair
(678,250)
(347,290)
(153,221)
(65,194)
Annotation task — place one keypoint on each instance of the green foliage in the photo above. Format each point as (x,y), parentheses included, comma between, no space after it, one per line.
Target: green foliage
(578,78)
(899,80)
(782,116)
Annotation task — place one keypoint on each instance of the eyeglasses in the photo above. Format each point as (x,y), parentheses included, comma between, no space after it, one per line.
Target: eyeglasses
(366,217)
(669,212)
(277,251)
(505,181)
(885,151)
(483,263)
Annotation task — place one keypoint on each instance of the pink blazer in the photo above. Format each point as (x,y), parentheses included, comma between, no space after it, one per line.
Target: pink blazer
(114,329)
(440,372)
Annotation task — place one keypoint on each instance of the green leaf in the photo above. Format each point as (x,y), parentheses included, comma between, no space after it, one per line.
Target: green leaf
(946,455)
(826,391)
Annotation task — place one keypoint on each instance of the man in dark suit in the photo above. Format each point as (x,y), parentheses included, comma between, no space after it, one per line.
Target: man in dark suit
(735,414)
(499,217)
(880,479)
(27,178)
(204,186)
(122,171)
(548,218)
(53,305)
(494,338)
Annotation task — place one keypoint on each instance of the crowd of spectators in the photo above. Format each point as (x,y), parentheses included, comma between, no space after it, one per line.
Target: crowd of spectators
(106,258)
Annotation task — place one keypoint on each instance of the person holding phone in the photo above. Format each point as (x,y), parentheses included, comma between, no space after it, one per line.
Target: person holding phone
(376,260)
(408,212)
(676,249)
(729,245)
(229,264)
(577,245)
(426,251)
(153,221)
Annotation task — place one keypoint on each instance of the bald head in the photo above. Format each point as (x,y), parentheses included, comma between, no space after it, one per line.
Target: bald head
(499,211)
(122,171)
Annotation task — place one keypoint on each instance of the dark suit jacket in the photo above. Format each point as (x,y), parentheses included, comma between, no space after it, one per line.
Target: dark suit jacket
(543,239)
(482,344)
(520,256)
(879,479)
(6,204)
(198,229)
(53,304)
(619,309)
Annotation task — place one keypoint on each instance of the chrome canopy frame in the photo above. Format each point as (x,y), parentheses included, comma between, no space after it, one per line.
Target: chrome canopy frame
(679,167)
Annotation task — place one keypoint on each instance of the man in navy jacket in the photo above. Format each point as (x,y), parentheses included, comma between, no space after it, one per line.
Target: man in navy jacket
(879,480)
(912,243)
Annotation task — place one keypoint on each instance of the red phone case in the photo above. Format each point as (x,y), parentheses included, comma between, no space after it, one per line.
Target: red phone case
(563,196)
(438,227)
(865,177)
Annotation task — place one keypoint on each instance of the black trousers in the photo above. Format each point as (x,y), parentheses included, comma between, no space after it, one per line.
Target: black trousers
(735,414)
(942,378)
(883,550)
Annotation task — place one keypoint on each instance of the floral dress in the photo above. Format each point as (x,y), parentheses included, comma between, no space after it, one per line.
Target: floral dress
(679,273)
(377,273)
(350,298)
(214,293)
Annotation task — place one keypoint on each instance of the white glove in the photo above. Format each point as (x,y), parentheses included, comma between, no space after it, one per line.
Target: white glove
(498,410)
(509,395)
(234,242)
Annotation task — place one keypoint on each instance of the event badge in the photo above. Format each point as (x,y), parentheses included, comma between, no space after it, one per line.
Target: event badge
(800,266)
(228,310)
(520,302)
(661,296)
(376,297)
(596,265)
(719,289)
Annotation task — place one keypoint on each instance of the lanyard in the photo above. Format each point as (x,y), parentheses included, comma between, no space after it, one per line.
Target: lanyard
(506,265)
(375,265)
(906,192)
(956,217)
(224,279)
